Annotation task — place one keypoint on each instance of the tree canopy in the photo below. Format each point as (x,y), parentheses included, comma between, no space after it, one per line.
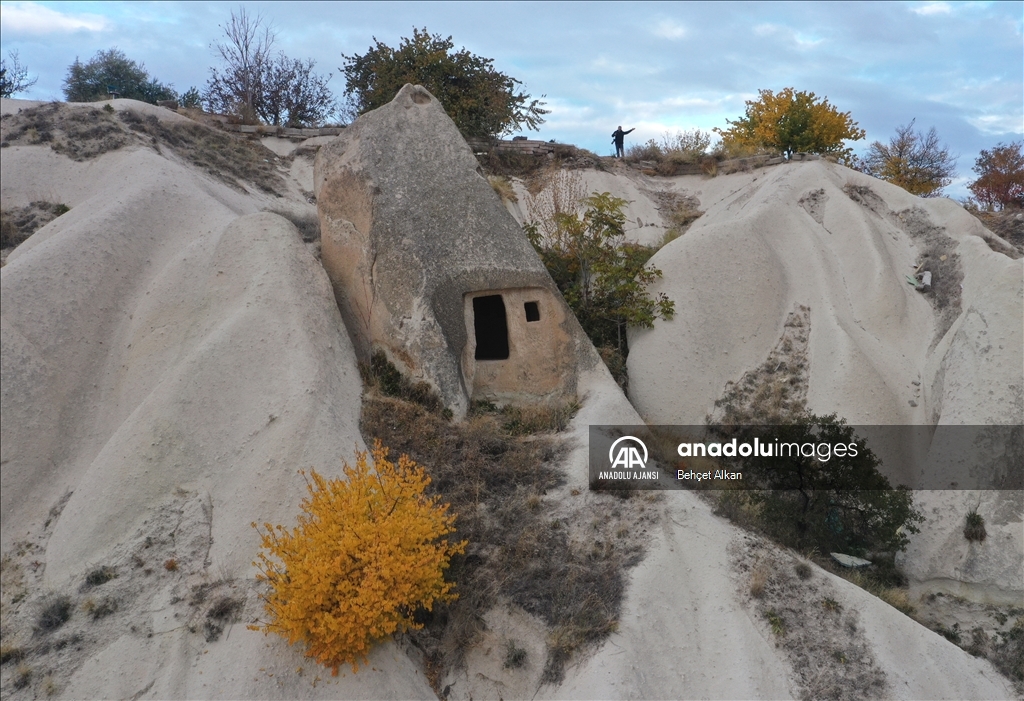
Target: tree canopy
(257,85)
(915,161)
(603,278)
(792,121)
(88,82)
(844,504)
(482,101)
(1000,182)
(369,553)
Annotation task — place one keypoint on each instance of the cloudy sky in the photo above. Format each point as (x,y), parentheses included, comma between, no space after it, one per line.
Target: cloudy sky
(655,66)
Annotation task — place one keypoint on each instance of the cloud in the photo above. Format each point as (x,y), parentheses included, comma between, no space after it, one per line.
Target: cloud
(33,18)
(997,124)
(933,8)
(668,29)
(797,38)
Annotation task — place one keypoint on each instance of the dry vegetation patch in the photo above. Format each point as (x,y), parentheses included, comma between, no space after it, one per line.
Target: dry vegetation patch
(82,133)
(775,391)
(678,211)
(500,471)
(989,631)
(824,643)
(18,223)
(78,133)
(936,253)
(48,635)
(1008,224)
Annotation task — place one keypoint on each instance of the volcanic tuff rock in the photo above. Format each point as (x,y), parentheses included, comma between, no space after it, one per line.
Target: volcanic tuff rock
(879,351)
(412,234)
(171,356)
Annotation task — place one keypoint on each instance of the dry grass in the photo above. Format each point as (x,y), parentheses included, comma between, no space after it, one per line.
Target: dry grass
(552,192)
(758,579)
(882,579)
(775,391)
(1008,224)
(98,576)
(533,419)
(55,612)
(682,152)
(49,686)
(829,655)
(222,611)
(679,212)
(22,676)
(79,133)
(385,378)
(84,133)
(99,609)
(233,159)
(496,479)
(10,653)
(503,187)
(515,656)
(18,223)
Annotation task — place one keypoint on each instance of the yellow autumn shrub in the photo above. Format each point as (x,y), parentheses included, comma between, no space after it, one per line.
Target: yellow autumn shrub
(368,551)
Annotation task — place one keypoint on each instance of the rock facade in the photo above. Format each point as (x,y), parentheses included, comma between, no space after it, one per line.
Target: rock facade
(412,235)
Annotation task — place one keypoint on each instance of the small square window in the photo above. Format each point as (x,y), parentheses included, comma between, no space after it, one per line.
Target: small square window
(532,311)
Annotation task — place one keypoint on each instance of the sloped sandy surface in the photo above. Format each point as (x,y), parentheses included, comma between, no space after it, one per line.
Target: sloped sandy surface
(842,244)
(171,357)
(161,349)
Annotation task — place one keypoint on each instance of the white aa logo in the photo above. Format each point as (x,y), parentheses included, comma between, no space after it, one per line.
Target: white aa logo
(628,456)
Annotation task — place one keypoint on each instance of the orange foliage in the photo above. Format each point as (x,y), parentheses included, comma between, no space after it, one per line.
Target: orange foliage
(792,121)
(367,553)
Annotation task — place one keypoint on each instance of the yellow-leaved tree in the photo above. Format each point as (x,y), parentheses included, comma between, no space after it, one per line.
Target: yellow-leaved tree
(368,552)
(791,121)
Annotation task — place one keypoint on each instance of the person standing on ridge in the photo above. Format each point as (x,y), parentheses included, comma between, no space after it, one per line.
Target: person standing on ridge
(617,138)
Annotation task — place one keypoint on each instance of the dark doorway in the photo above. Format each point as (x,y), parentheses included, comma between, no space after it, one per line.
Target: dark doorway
(491,328)
(532,311)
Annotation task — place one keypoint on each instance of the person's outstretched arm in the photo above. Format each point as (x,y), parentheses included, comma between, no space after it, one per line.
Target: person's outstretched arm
(627,132)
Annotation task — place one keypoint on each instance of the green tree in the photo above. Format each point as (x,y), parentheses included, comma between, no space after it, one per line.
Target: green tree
(843,504)
(92,81)
(191,98)
(1000,182)
(603,277)
(915,161)
(790,122)
(482,101)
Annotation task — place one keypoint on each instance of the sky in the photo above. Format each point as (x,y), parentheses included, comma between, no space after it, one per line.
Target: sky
(655,67)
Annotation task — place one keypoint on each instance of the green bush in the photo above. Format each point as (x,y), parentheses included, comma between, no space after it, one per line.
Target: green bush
(841,505)
(602,277)
(974,528)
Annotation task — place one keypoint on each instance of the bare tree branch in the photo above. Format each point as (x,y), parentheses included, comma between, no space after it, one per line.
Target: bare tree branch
(14,76)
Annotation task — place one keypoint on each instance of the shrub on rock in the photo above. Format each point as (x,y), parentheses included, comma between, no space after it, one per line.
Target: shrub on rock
(368,552)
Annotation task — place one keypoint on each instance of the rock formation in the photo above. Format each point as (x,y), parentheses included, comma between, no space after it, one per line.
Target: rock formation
(172,353)
(879,351)
(428,266)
